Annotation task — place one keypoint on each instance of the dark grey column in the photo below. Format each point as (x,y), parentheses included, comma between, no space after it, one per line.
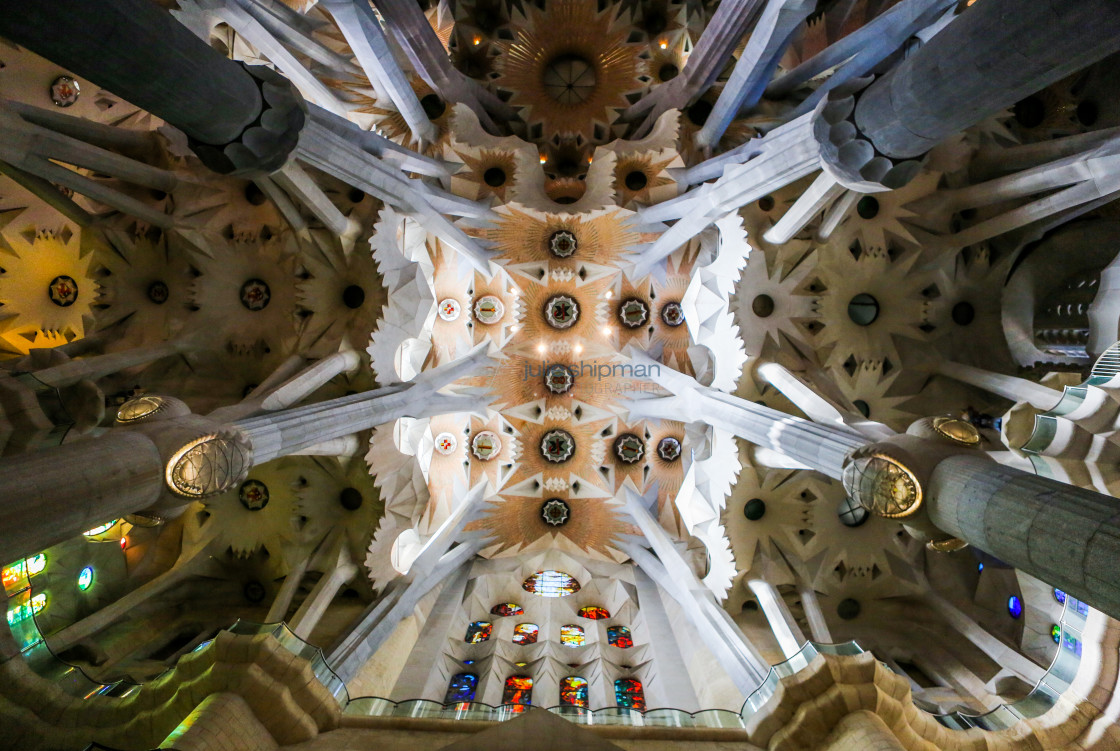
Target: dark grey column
(50,496)
(136,50)
(995,54)
(1066,536)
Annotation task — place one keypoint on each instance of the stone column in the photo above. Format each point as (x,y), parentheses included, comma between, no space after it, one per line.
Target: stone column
(136,50)
(996,53)
(818,626)
(1016,389)
(1066,536)
(418,679)
(99,366)
(786,631)
(52,495)
(673,688)
(311,610)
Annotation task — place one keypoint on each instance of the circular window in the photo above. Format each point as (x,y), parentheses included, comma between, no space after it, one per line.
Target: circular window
(672,314)
(1014,606)
(561,312)
(255,295)
(353,296)
(863,309)
(555,512)
(355,195)
(64,91)
(963,313)
(253,495)
(755,509)
(762,306)
(350,498)
(486,445)
(636,180)
(633,313)
(449,309)
(868,207)
(446,444)
(158,292)
(558,446)
(495,177)
(559,378)
(85,578)
(63,291)
(766,203)
(569,79)
(562,244)
(629,448)
(488,309)
(669,448)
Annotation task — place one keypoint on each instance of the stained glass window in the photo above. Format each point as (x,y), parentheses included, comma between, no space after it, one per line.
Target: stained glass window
(594,612)
(85,578)
(525,633)
(507,608)
(572,636)
(479,631)
(1059,595)
(26,610)
(551,584)
(1014,606)
(1072,643)
(36,564)
(573,691)
(461,688)
(619,636)
(1056,633)
(101,528)
(518,690)
(628,693)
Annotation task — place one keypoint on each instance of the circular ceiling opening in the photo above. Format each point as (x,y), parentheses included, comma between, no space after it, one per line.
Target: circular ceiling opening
(868,207)
(963,313)
(353,296)
(433,106)
(668,72)
(755,509)
(636,180)
(569,79)
(1030,112)
(863,309)
(763,306)
(495,177)
(698,113)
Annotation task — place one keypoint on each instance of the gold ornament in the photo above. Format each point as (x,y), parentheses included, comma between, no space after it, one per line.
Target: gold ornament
(957,431)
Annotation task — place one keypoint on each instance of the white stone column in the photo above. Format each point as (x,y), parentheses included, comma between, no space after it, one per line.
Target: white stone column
(340,571)
(1010,387)
(786,631)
